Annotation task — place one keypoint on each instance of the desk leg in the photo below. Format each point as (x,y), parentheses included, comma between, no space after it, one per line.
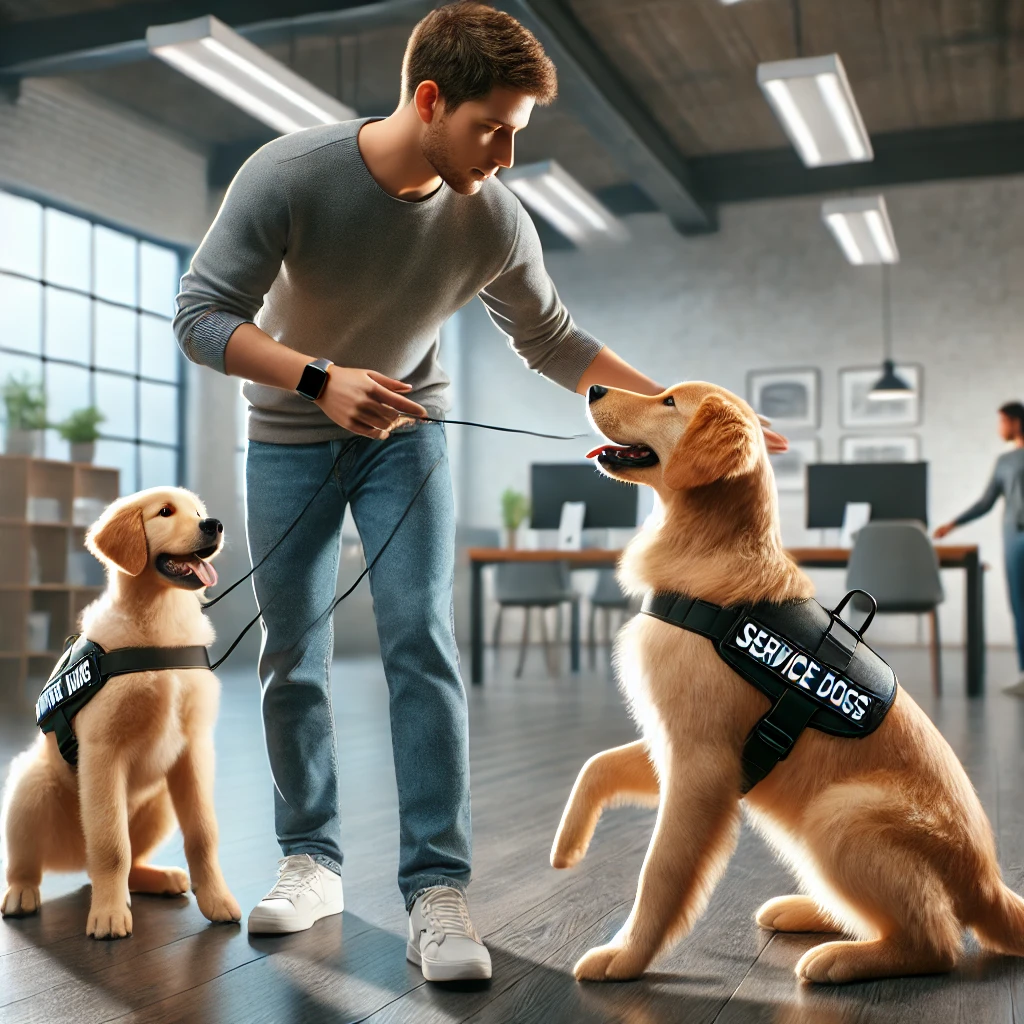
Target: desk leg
(476,623)
(574,635)
(975,646)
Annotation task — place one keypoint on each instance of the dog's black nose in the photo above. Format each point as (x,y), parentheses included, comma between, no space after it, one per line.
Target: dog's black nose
(596,392)
(211,527)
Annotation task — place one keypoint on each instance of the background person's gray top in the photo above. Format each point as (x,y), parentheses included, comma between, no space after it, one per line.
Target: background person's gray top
(1008,481)
(343,270)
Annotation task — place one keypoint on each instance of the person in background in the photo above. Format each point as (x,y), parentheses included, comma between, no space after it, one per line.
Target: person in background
(1008,481)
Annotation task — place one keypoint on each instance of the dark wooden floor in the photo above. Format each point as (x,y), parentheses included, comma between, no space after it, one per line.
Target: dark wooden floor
(529,738)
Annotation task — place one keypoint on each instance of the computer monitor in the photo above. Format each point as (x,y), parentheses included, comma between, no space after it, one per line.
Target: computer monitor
(610,504)
(894,490)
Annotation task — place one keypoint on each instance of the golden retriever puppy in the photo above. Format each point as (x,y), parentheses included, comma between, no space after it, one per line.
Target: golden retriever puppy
(885,832)
(145,739)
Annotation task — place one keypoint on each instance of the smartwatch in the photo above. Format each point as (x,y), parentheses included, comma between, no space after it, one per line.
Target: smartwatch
(314,379)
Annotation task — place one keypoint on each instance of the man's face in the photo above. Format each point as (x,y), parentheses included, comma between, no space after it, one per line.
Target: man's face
(468,145)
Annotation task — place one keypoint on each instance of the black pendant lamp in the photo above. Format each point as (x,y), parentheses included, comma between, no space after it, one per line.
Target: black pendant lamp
(890,384)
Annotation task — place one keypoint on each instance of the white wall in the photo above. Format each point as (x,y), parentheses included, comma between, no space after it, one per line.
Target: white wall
(771,289)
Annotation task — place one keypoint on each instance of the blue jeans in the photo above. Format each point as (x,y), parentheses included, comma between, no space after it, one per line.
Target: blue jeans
(1013,551)
(411,586)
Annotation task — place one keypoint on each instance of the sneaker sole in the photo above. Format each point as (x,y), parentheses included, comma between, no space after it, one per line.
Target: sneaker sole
(436,971)
(277,926)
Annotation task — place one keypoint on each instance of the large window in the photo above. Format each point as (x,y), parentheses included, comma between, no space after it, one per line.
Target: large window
(85,311)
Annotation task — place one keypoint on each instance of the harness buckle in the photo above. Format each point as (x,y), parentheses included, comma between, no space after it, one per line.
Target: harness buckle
(778,739)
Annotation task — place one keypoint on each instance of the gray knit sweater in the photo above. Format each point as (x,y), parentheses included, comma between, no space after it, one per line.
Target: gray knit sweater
(310,248)
(1008,481)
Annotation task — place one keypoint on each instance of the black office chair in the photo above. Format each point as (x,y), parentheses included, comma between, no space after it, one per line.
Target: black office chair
(607,597)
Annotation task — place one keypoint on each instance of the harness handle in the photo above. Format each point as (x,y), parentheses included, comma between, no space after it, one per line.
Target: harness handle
(867,622)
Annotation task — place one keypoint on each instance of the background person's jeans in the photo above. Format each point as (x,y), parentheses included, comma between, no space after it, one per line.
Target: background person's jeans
(412,600)
(1013,551)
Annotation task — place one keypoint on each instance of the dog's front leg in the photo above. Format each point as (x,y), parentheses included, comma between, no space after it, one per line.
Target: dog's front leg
(190,782)
(698,822)
(622,773)
(103,796)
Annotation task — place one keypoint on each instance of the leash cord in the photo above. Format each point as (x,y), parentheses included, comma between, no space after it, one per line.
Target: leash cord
(295,522)
(334,604)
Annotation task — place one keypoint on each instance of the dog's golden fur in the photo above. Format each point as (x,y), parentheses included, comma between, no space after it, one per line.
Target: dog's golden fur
(885,833)
(145,740)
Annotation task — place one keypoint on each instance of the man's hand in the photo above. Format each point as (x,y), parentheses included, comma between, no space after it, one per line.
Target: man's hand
(941,531)
(367,402)
(776,442)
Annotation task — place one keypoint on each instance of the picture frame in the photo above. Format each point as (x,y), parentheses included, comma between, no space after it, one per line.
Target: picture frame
(880,448)
(790,466)
(789,397)
(857,411)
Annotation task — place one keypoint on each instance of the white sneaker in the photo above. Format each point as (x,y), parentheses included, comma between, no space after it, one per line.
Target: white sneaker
(1017,688)
(305,892)
(442,939)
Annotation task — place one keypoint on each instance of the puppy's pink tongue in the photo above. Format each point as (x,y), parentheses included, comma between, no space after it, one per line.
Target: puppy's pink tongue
(204,571)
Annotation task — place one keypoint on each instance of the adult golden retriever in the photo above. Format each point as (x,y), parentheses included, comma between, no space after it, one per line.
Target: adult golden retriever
(145,739)
(885,832)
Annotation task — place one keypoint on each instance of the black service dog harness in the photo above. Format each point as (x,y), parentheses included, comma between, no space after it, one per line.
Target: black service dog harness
(85,667)
(814,667)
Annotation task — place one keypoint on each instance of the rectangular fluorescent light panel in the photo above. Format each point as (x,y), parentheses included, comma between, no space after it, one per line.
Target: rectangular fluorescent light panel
(812,99)
(862,228)
(554,194)
(216,56)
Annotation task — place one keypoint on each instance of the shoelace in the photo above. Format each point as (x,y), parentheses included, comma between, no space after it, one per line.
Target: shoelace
(294,874)
(447,914)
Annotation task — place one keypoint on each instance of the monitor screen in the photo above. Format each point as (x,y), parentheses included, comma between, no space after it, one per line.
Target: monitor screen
(610,504)
(894,490)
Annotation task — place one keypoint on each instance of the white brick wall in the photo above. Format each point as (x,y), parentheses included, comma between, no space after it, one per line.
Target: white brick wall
(771,289)
(70,146)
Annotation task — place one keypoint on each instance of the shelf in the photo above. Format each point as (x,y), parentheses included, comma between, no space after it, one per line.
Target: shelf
(31,654)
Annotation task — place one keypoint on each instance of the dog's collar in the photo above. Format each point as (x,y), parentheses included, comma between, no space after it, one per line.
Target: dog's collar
(83,669)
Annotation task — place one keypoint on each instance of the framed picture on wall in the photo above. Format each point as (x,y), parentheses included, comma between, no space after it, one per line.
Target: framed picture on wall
(857,410)
(881,448)
(790,466)
(789,398)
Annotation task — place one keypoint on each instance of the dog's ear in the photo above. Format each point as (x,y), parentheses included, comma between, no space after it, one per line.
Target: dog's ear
(719,443)
(118,538)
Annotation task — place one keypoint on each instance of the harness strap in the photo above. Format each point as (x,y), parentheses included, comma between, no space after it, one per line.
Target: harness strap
(148,659)
(775,733)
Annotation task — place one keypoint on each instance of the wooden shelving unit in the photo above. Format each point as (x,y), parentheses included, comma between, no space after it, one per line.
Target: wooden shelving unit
(44,566)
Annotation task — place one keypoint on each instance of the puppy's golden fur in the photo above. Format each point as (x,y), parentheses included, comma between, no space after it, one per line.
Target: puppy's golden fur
(886,833)
(145,740)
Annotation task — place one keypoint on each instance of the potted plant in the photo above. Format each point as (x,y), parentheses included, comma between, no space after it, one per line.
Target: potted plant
(81,429)
(515,507)
(25,405)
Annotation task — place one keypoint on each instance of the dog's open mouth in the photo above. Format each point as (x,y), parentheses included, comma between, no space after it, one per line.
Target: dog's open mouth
(191,570)
(635,456)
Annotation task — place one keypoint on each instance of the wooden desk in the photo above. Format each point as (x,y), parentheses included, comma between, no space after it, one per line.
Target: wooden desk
(951,556)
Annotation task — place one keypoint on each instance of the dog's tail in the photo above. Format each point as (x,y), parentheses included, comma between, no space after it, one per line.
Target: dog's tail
(999,922)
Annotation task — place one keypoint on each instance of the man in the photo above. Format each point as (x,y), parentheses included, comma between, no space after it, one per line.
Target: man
(359,240)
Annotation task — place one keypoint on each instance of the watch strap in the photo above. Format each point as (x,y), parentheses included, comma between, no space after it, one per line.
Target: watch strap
(314,379)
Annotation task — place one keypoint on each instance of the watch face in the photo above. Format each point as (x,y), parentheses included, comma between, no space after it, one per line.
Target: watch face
(312,382)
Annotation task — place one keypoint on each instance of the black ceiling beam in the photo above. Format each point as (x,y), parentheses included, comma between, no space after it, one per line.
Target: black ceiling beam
(593,91)
(901,158)
(117,35)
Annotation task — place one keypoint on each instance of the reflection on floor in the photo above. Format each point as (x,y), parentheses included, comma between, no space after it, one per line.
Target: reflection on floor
(529,738)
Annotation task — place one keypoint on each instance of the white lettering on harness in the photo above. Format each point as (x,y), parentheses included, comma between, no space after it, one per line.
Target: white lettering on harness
(796,666)
(77,677)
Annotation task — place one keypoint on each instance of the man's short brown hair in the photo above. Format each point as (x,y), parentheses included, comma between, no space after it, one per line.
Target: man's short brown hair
(468,49)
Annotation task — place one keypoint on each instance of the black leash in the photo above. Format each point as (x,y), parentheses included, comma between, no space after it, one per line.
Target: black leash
(334,604)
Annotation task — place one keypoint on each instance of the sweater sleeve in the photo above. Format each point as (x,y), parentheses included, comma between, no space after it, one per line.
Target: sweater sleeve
(983,504)
(235,264)
(523,303)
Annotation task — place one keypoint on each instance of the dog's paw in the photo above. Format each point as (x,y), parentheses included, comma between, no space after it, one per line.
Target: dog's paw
(793,914)
(608,963)
(20,900)
(157,881)
(827,964)
(218,905)
(109,921)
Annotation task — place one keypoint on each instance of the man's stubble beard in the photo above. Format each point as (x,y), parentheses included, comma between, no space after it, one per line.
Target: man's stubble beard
(437,152)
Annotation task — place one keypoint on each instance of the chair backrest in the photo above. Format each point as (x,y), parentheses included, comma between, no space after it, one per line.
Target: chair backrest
(608,593)
(476,537)
(895,562)
(531,582)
